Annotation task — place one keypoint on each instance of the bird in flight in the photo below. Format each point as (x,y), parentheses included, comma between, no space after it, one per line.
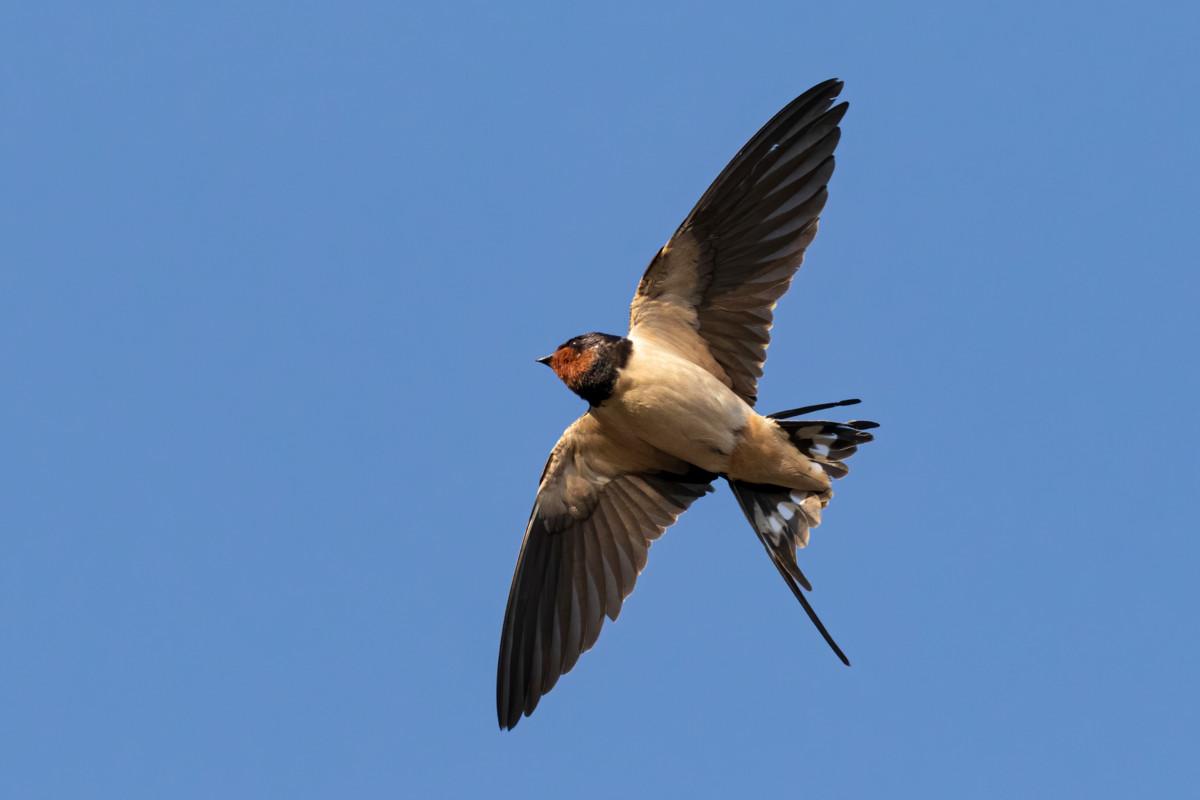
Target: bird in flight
(671,409)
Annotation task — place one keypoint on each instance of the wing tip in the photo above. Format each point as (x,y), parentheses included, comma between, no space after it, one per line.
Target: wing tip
(831,86)
(827,90)
(831,89)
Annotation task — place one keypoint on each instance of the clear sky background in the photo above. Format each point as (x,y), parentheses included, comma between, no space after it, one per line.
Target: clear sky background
(272,280)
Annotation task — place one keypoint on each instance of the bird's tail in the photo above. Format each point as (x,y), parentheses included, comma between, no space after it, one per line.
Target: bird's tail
(783,517)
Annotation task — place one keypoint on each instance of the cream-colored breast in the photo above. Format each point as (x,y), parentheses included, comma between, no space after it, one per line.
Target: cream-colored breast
(677,406)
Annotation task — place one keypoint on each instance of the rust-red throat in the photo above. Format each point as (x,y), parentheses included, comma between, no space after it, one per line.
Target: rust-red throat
(570,365)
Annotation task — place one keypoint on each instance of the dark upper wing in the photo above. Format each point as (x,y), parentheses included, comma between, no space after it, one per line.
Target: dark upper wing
(600,504)
(710,291)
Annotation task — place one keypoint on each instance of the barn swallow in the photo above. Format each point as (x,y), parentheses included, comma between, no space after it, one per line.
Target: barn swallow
(671,409)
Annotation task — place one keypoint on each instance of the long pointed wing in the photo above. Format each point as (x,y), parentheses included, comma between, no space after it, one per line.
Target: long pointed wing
(600,504)
(711,290)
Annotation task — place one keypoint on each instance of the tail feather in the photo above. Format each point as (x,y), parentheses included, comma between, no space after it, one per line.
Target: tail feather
(779,520)
(783,517)
(802,410)
(829,443)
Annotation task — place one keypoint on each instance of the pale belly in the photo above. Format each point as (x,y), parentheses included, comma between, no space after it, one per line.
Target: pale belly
(678,407)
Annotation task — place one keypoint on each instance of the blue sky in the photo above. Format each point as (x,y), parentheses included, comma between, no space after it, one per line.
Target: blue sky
(274,276)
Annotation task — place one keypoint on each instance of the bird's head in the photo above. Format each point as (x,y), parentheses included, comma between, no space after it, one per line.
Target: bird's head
(589,364)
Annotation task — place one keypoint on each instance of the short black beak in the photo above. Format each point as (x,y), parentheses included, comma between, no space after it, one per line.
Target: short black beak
(545,360)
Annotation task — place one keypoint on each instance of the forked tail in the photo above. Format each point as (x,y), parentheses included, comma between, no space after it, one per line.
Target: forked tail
(782,517)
